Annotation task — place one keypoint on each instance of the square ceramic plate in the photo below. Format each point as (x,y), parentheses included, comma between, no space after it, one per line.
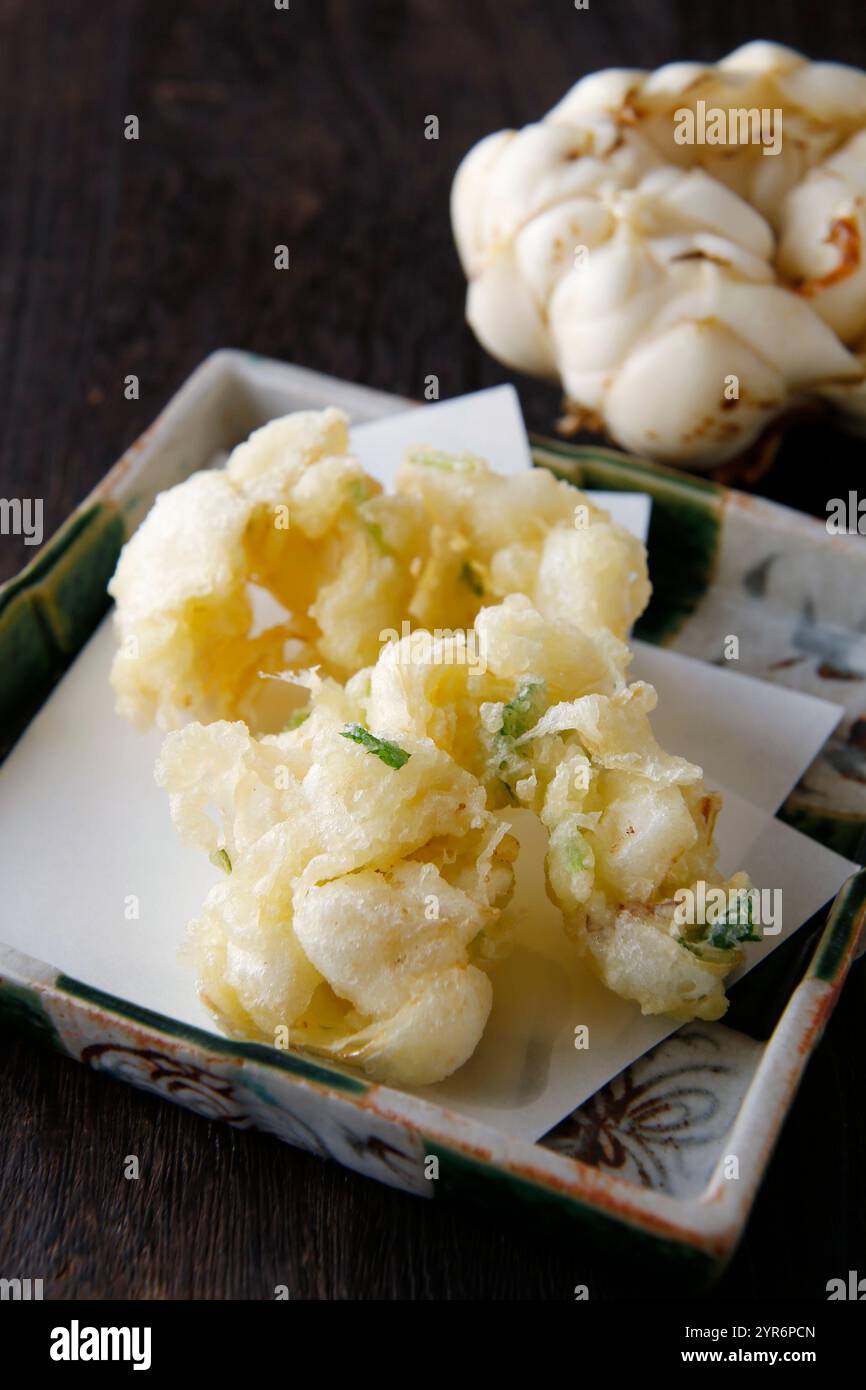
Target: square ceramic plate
(647,1180)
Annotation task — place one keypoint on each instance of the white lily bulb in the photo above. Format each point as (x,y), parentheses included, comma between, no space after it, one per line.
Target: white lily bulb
(685,250)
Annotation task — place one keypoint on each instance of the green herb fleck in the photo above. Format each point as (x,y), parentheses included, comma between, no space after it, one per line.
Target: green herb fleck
(221,859)
(389,753)
(575,858)
(296,720)
(525,710)
(358,491)
(727,933)
(470,578)
(375,530)
(447,463)
(734,927)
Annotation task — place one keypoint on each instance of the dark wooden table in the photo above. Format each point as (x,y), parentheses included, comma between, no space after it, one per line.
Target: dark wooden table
(306,127)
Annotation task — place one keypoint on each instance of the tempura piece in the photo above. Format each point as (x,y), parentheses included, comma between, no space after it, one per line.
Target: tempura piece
(292,556)
(630,826)
(436,686)
(292,516)
(527,533)
(631,837)
(364,886)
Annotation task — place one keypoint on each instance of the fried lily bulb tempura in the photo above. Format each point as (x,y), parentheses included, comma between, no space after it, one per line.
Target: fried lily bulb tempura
(364,884)
(292,514)
(527,533)
(630,832)
(435,686)
(544,718)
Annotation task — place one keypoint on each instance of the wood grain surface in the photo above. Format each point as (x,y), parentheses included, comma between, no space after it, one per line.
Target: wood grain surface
(305,127)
